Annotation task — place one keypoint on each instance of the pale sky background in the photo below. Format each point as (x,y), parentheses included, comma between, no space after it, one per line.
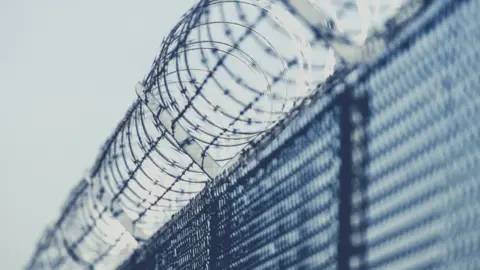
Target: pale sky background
(67,75)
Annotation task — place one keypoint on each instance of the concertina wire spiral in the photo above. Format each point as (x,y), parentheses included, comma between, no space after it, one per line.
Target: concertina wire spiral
(225,74)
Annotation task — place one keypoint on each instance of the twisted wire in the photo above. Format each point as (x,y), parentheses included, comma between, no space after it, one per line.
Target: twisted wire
(226,73)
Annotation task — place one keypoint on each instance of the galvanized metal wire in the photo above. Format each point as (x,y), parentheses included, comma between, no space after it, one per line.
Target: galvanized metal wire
(225,75)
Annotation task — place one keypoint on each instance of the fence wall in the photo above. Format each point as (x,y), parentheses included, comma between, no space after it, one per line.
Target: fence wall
(378,170)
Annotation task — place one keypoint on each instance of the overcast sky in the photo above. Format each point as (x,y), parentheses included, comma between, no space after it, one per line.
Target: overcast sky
(67,75)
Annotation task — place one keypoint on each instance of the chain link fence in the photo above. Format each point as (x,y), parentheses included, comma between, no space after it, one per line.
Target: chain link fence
(376,168)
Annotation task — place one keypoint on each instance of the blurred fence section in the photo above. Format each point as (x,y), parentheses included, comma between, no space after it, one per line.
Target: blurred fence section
(242,152)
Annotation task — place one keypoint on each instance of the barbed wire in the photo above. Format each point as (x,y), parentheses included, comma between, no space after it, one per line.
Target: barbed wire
(225,74)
